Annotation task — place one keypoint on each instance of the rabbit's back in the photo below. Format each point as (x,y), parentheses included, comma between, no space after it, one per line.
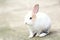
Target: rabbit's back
(42,19)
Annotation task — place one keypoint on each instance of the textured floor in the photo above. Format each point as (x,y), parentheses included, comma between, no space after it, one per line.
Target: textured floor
(12,14)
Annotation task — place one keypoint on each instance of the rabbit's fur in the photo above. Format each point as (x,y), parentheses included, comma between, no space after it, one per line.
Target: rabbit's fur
(39,23)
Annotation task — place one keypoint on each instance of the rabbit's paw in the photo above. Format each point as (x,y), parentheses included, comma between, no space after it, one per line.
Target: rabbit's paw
(42,35)
(30,36)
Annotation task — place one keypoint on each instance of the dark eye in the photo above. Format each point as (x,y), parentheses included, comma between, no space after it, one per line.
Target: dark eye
(30,17)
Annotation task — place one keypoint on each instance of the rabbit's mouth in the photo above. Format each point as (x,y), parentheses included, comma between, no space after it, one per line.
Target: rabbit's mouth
(29,24)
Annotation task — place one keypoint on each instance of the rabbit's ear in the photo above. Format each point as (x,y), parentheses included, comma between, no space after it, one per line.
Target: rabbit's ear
(35,8)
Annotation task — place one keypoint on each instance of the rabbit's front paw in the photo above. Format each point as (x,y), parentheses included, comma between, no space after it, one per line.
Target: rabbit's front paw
(30,36)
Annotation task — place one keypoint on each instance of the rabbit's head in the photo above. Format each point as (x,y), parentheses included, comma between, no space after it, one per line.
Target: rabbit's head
(31,16)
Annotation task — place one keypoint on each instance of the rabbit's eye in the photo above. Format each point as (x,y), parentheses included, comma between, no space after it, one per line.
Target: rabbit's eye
(30,17)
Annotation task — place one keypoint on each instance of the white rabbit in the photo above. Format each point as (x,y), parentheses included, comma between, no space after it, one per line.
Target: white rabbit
(39,23)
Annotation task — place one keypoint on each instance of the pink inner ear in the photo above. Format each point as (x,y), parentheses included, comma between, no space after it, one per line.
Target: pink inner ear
(36,8)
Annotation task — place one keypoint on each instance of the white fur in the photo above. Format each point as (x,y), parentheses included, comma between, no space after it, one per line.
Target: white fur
(42,22)
(42,35)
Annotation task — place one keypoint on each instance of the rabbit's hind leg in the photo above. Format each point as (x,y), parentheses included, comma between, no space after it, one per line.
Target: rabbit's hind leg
(44,33)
